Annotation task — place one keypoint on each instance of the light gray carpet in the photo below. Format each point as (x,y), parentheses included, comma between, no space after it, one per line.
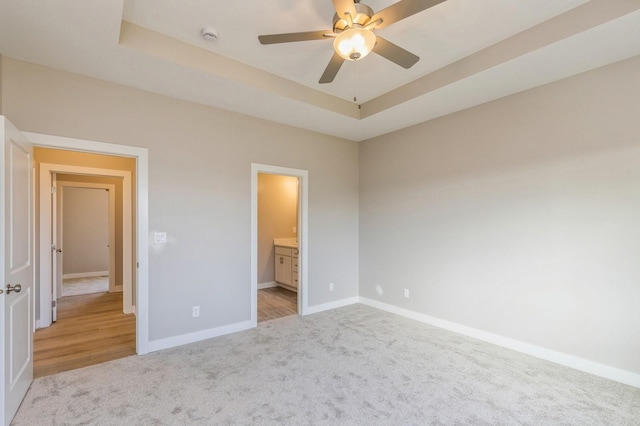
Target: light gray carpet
(350,366)
(87,285)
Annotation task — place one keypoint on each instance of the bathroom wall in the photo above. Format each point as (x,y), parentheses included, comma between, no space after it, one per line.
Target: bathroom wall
(277,216)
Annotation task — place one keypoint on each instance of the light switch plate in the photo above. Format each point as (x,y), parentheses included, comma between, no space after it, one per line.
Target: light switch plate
(160,237)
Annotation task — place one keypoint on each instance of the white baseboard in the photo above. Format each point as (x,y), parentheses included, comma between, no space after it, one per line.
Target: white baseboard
(184,339)
(269,284)
(570,361)
(331,305)
(87,274)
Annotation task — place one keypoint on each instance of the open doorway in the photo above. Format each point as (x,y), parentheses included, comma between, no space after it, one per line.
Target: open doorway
(278,251)
(85,228)
(278,247)
(86,232)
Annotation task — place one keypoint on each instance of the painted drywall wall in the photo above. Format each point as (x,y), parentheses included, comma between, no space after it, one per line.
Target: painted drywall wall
(117,182)
(199,189)
(277,216)
(85,230)
(0,84)
(520,217)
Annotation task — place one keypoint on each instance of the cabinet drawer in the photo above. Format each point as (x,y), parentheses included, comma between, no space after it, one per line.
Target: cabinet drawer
(283,251)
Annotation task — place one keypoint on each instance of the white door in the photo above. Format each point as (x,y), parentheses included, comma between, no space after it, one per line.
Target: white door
(16,306)
(56,248)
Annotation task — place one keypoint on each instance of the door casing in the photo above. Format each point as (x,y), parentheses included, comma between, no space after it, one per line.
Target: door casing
(303,240)
(142,216)
(46,269)
(111,189)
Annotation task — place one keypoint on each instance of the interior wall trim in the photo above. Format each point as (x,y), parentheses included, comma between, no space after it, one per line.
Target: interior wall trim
(196,336)
(332,305)
(142,216)
(303,234)
(86,274)
(577,363)
(268,284)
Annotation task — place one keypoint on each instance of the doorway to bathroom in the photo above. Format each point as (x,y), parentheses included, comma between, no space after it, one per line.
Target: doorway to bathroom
(279,225)
(277,246)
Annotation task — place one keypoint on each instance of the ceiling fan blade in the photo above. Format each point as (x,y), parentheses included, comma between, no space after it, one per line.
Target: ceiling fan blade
(289,37)
(395,53)
(344,6)
(403,9)
(332,69)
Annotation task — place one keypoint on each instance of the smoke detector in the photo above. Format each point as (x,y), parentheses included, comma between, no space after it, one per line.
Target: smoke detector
(209,34)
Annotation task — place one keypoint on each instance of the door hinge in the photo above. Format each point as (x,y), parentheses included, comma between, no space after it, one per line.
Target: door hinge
(53,303)
(138,265)
(53,189)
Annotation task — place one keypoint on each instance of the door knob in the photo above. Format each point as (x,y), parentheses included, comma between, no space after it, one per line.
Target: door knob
(17,288)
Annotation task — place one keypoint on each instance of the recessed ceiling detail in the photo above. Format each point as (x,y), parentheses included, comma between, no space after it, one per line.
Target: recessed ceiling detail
(470,52)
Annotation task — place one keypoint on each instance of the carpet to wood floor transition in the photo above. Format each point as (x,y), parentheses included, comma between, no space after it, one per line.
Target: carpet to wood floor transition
(350,366)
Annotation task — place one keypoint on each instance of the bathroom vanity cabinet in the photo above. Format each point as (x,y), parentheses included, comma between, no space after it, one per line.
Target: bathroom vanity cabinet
(287,267)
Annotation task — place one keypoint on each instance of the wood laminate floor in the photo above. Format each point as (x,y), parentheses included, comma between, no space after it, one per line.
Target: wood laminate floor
(276,302)
(90,329)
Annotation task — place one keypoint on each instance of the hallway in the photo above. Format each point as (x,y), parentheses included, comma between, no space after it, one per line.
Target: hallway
(90,329)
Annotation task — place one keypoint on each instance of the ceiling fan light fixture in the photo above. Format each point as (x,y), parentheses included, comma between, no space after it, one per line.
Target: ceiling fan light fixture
(354,43)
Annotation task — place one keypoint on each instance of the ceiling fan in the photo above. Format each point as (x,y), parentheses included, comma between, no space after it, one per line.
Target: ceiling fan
(353,33)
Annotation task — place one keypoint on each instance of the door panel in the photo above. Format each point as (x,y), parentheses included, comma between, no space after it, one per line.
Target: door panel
(17,269)
(19,226)
(19,343)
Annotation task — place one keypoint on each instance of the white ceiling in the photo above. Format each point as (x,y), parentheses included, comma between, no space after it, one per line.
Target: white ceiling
(471,52)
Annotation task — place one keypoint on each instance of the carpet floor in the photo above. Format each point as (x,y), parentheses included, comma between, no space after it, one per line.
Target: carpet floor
(350,366)
(88,285)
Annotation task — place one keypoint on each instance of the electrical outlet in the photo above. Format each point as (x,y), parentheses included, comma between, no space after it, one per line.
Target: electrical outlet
(160,237)
(295,229)
(406,293)
(330,286)
(196,311)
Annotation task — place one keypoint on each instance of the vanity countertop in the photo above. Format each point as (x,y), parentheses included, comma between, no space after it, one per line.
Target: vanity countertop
(286,242)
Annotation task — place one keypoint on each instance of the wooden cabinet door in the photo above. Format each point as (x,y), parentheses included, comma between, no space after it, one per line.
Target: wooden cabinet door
(283,269)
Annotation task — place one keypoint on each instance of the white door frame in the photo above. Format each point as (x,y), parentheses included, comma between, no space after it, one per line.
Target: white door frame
(303,235)
(46,270)
(111,189)
(142,216)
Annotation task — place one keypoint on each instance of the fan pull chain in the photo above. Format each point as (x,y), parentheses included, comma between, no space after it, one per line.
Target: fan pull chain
(356,82)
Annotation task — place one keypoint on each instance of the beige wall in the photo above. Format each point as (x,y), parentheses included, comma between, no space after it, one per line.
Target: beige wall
(520,217)
(200,189)
(0,84)
(85,230)
(277,216)
(117,182)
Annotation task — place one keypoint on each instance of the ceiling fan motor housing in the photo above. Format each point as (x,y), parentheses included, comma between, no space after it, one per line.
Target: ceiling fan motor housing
(363,16)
